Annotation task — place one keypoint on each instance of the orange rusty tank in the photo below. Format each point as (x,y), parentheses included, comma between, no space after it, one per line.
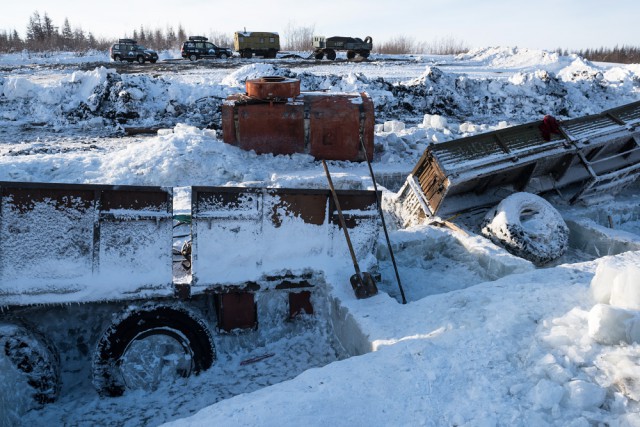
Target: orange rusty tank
(275,117)
(273,88)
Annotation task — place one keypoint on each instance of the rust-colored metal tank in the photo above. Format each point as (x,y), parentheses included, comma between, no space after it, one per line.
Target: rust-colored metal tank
(275,117)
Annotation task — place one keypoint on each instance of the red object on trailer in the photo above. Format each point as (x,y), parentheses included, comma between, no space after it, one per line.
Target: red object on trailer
(275,117)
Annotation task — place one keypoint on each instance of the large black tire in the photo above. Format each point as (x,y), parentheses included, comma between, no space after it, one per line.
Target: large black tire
(140,323)
(351,54)
(140,59)
(527,226)
(36,357)
(331,54)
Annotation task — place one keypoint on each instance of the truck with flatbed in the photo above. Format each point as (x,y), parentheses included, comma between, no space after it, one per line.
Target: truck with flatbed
(328,46)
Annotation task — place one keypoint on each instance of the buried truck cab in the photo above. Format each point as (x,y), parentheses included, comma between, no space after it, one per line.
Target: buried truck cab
(87,275)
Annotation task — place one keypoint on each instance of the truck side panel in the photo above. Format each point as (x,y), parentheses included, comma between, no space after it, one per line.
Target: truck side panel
(246,234)
(73,243)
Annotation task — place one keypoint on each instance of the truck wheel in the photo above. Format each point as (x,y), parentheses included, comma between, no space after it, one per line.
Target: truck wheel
(247,53)
(223,56)
(148,345)
(140,59)
(193,57)
(529,227)
(36,357)
(117,58)
(365,54)
(331,54)
(319,55)
(351,54)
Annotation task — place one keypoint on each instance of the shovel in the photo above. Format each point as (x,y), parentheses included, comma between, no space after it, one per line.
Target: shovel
(362,283)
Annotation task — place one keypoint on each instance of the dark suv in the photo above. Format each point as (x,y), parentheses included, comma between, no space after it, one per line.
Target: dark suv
(130,50)
(198,47)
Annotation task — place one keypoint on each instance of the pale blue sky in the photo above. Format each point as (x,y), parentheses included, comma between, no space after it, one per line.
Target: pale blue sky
(546,24)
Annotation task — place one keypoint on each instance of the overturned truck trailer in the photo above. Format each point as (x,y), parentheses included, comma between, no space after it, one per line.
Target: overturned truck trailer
(88,281)
(580,159)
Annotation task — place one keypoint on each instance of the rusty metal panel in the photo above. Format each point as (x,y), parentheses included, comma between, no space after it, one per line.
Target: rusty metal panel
(355,206)
(327,126)
(271,128)
(121,199)
(229,120)
(273,87)
(250,234)
(299,303)
(46,238)
(334,128)
(367,124)
(71,243)
(311,207)
(236,310)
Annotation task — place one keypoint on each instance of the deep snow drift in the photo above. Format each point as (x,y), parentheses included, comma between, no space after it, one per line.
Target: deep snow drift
(486,338)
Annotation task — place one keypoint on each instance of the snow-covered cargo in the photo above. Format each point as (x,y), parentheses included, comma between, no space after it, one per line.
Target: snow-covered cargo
(78,243)
(581,158)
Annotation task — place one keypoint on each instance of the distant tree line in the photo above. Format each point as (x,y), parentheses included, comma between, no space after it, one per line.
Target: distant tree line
(43,35)
(617,54)
(404,45)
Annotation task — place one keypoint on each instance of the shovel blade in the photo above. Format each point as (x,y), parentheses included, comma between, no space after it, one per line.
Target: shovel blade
(363,285)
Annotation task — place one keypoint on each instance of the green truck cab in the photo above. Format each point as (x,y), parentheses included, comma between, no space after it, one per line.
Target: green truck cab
(259,43)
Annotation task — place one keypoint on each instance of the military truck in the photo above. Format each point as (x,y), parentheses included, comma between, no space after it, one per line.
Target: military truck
(353,45)
(260,43)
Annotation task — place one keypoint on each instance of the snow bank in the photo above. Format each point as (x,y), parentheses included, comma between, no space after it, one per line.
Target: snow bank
(615,286)
(514,57)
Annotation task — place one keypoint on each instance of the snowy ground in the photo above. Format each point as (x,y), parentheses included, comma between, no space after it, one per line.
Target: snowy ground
(486,338)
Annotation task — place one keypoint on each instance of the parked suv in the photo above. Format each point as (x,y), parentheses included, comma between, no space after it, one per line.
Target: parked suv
(198,47)
(130,50)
